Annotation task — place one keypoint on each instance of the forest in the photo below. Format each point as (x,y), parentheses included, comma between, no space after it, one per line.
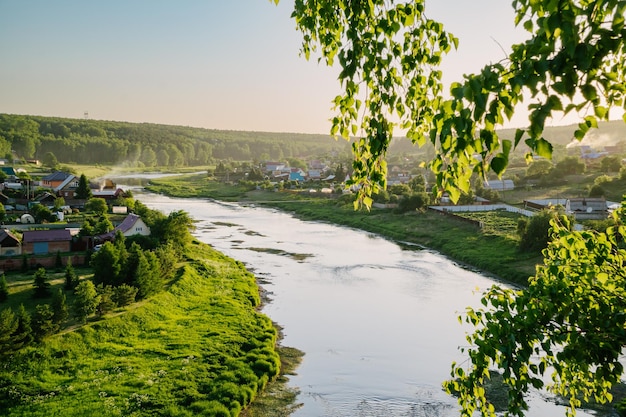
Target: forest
(81,141)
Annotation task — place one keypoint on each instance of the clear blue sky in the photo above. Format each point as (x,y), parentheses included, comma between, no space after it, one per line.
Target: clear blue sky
(220,64)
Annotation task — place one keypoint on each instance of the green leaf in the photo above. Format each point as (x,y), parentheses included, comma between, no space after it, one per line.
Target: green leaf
(543,148)
(498,164)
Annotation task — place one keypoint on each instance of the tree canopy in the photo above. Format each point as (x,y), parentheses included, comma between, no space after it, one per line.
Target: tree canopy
(389,55)
(569,322)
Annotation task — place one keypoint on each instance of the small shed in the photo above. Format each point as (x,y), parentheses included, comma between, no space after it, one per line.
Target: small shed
(9,244)
(41,242)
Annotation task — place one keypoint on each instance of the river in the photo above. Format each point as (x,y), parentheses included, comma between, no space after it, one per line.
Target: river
(377,321)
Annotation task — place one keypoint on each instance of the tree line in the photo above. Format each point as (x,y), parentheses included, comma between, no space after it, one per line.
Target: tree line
(142,144)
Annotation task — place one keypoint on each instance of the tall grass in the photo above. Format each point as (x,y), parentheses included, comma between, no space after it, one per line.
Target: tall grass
(202,348)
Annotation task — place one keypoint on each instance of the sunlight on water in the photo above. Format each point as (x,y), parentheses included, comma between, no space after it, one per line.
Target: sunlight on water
(377,322)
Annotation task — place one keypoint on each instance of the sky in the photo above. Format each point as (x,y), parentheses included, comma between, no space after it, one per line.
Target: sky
(217,64)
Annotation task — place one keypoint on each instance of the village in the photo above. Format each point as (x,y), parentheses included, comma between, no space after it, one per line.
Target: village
(43,218)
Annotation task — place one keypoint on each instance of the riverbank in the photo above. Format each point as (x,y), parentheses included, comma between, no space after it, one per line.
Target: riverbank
(200,348)
(491,253)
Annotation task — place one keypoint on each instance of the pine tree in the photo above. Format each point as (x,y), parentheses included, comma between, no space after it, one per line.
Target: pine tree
(23,334)
(86,301)
(71,280)
(58,262)
(124,295)
(83,192)
(107,296)
(4,288)
(42,286)
(43,322)
(8,324)
(59,307)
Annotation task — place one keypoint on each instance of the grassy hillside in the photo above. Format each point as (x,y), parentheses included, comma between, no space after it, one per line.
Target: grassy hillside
(201,348)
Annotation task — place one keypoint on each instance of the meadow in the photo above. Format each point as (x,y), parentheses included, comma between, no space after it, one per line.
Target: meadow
(199,348)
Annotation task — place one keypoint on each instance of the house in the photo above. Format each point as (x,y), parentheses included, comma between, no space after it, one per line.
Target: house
(9,244)
(67,188)
(315,174)
(107,194)
(41,242)
(274,166)
(132,225)
(587,208)
(296,174)
(55,179)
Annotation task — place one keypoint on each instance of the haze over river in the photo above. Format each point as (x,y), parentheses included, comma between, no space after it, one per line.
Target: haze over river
(377,322)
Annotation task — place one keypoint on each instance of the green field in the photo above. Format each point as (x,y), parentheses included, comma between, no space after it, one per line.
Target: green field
(200,348)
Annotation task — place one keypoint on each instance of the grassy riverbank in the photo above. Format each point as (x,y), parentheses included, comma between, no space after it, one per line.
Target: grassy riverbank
(200,348)
(486,249)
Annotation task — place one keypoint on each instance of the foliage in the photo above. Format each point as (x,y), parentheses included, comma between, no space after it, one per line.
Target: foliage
(570,165)
(59,307)
(107,266)
(86,300)
(83,191)
(534,232)
(202,345)
(42,213)
(97,205)
(610,164)
(124,295)
(8,325)
(107,299)
(71,279)
(539,168)
(42,286)
(4,288)
(23,334)
(413,201)
(597,191)
(389,55)
(43,322)
(569,319)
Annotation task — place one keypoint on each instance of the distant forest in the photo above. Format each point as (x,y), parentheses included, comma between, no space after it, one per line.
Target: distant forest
(84,141)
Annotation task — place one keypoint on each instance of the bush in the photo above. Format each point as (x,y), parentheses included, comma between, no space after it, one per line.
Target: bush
(534,232)
(596,191)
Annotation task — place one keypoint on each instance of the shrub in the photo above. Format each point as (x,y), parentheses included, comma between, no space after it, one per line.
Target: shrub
(596,191)
(534,234)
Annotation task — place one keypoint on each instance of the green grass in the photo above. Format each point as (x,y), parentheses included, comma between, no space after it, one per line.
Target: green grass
(201,348)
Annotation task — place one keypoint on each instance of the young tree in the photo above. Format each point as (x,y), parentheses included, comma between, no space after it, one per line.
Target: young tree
(23,334)
(42,286)
(50,160)
(58,262)
(97,205)
(148,278)
(107,299)
(124,295)
(71,279)
(86,300)
(83,192)
(4,288)
(8,325)
(59,307)
(42,213)
(106,265)
(43,322)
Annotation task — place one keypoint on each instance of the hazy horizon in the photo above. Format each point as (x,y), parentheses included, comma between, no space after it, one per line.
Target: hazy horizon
(213,65)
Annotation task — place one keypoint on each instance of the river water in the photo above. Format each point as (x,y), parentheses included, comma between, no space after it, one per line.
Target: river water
(377,321)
